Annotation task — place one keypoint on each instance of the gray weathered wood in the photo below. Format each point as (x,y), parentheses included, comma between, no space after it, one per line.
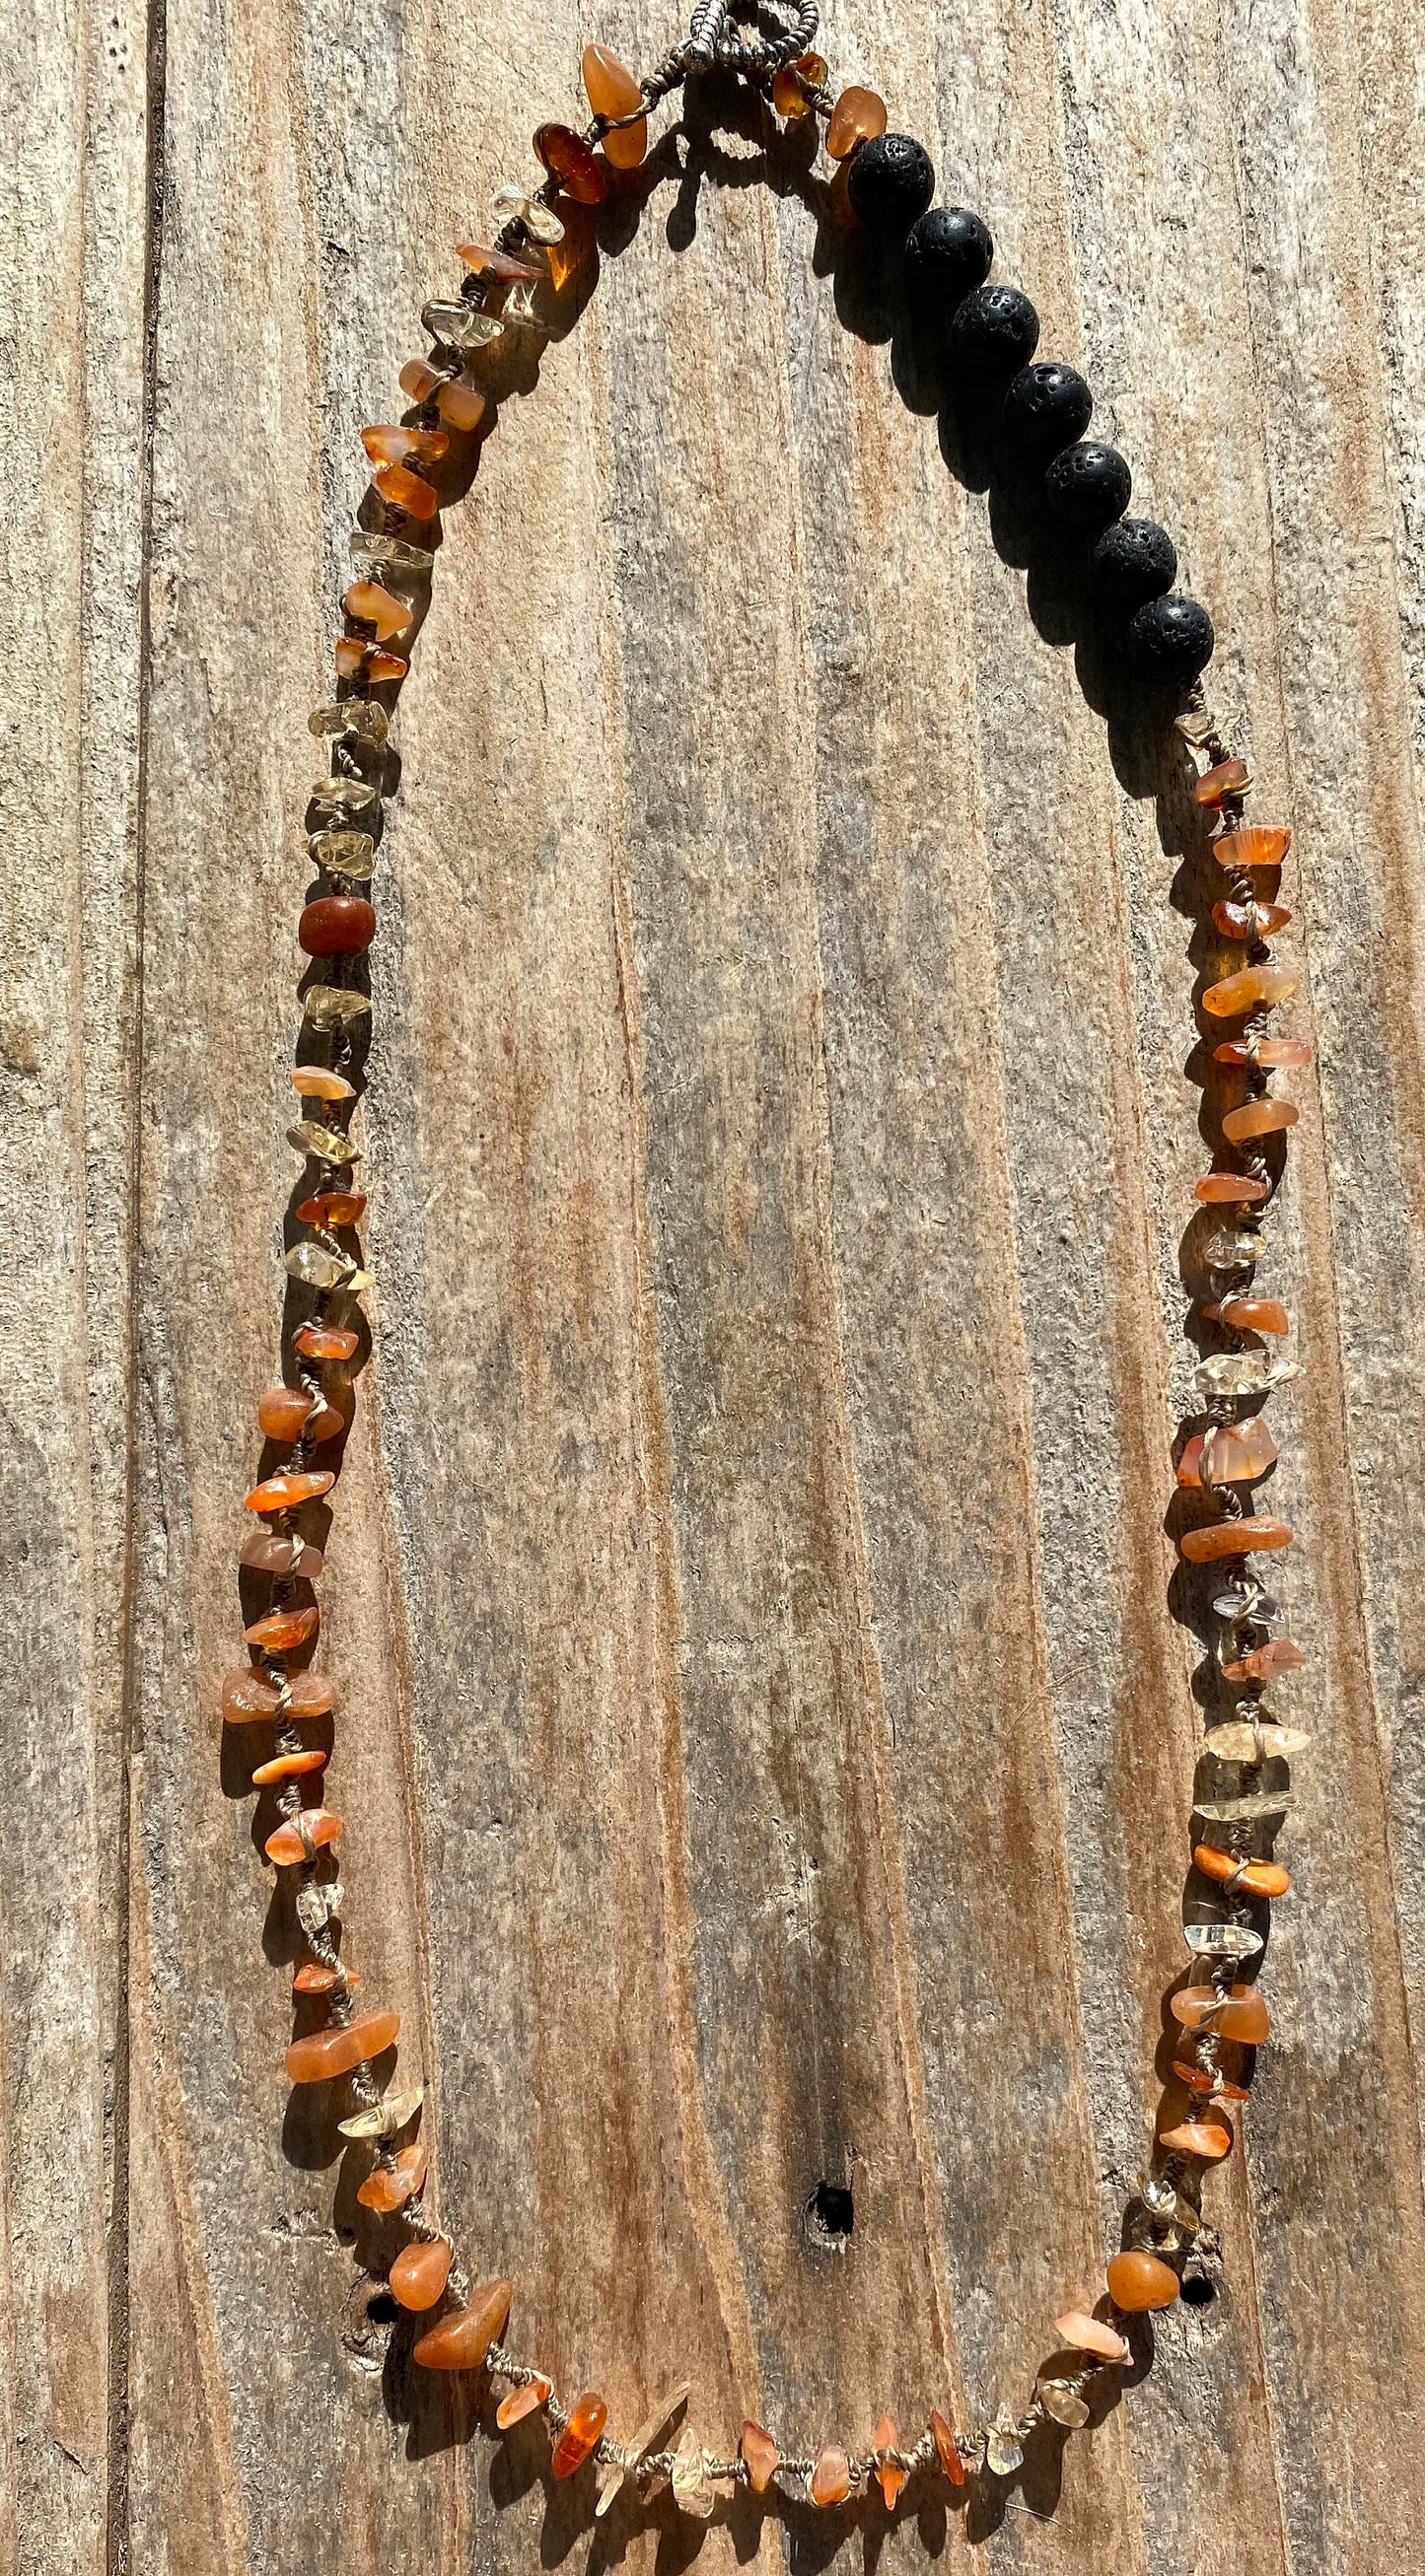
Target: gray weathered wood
(764,1735)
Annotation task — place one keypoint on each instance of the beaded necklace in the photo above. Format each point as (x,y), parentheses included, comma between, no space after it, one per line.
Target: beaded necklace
(542,240)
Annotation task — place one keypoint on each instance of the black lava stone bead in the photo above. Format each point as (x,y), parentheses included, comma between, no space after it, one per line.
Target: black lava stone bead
(1045,407)
(1132,562)
(948,252)
(1170,639)
(891,180)
(995,330)
(1087,486)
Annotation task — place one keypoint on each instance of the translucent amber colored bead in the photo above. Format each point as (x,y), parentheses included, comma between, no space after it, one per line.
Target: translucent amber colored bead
(1218,1189)
(1253,845)
(462,2339)
(288,1766)
(1274,1055)
(527,2399)
(1242,2016)
(389,444)
(335,1209)
(612,90)
(1259,1877)
(1250,1314)
(389,2187)
(485,262)
(457,404)
(370,605)
(1265,1662)
(1253,988)
(1257,1533)
(315,1083)
(947,2449)
(286,1845)
(1229,778)
(1265,1117)
(1209,2140)
(326,1342)
(1139,2281)
(420,2272)
(830,2480)
(858,116)
(286,1493)
(1250,921)
(1090,2334)
(402,490)
(336,925)
(587,2417)
(334,2052)
(286,1412)
(760,2454)
(281,1632)
(278,1552)
(248,1695)
(1236,1453)
(567,158)
(358,660)
(793,81)
(889,2477)
(316,1978)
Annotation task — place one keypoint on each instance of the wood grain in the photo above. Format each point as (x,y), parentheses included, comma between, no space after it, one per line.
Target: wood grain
(765,1731)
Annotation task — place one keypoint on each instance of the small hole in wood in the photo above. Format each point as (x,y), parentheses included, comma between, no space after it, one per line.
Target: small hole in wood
(1198,2291)
(382,2309)
(830,2214)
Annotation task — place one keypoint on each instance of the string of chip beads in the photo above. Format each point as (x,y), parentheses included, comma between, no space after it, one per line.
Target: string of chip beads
(885,182)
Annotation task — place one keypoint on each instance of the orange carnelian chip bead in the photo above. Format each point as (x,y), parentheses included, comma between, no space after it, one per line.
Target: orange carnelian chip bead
(283,1411)
(461,2340)
(1274,1055)
(336,925)
(1235,1538)
(408,492)
(389,2187)
(1259,1877)
(1229,778)
(277,1552)
(1139,2281)
(524,2400)
(889,2477)
(281,1632)
(420,2272)
(1253,988)
(1259,1118)
(830,2481)
(315,1083)
(612,90)
(285,1493)
(1259,921)
(336,2051)
(1241,2016)
(389,444)
(1209,2140)
(334,1209)
(1216,1189)
(379,609)
(357,660)
(947,2448)
(287,1846)
(759,2453)
(288,1766)
(1265,1662)
(1253,845)
(249,1694)
(793,81)
(326,1342)
(1250,1314)
(588,2415)
(316,1978)
(858,117)
(567,158)
(495,263)
(1239,1452)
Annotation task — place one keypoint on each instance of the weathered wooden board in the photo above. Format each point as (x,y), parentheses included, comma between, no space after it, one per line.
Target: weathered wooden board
(765,1734)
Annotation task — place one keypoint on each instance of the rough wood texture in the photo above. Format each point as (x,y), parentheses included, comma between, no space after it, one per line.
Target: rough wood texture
(765,1733)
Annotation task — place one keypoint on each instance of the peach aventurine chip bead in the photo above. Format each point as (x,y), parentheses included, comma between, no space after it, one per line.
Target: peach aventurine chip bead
(248,1695)
(947,2449)
(1255,1533)
(1208,2140)
(1264,1663)
(387,443)
(524,2400)
(406,491)
(326,2053)
(1274,1055)
(287,1846)
(1251,988)
(759,2455)
(1219,1189)
(1137,2281)
(1090,2334)
(326,1342)
(1266,1117)
(369,605)
(281,1632)
(285,1493)
(316,1978)
(830,2480)
(858,117)
(358,660)
(389,2187)
(612,90)
(1242,2015)
(587,2417)
(1250,1314)
(1259,1877)
(1253,845)
(889,2476)
(420,2272)
(462,2339)
(456,403)
(288,1766)
(314,1082)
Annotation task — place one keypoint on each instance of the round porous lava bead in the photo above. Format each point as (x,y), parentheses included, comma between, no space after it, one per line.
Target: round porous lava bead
(891,180)
(1170,639)
(948,252)
(995,330)
(1134,561)
(1087,486)
(1046,408)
